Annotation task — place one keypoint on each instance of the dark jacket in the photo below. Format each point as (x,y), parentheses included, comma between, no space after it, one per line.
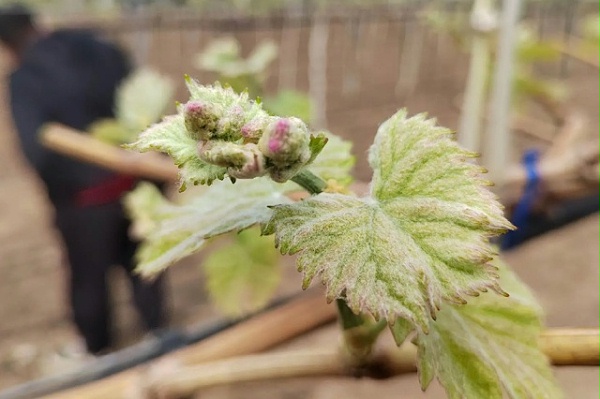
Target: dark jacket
(69,77)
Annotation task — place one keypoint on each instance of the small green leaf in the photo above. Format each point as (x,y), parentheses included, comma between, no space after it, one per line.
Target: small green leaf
(110,131)
(525,85)
(221,55)
(224,56)
(335,161)
(181,230)
(262,55)
(226,98)
(244,274)
(590,27)
(146,207)
(316,145)
(420,239)
(489,346)
(530,49)
(289,103)
(142,99)
(401,330)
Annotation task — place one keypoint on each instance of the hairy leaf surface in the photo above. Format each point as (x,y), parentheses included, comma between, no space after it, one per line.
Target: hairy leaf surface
(335,160)
(181,230)
(488,347)
(244,274)
(419,239)
(170,137)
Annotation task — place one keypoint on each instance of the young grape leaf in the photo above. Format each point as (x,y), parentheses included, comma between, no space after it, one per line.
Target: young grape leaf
(331,160)
(243,275)
(401,329)
(530,49)
(224,56)
(487,347)
(225,97)
(289,103)
(111,131)
(262,55)
(335,161)
(316,145)
(590,28)
(419,239)
(169,136)
(146,207)
(527,86)
(181,230)
(221,55)
(142,99)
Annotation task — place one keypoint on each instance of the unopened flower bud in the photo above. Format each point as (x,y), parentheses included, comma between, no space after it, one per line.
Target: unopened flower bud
(243,161)
(253,130)
(201,119)
(285,142)
(220,153)
(229,126)
(254,165)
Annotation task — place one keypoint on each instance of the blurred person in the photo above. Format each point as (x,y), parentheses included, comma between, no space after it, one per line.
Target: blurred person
(70,77)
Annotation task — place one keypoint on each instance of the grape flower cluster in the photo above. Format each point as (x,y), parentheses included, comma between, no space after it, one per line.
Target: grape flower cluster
(247,147)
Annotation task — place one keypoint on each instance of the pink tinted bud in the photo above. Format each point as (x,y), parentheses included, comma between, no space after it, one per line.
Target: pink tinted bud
(278,137)
(254,165)
(229,126)
(243,161)
(201,119)
(253,130)
(285,141)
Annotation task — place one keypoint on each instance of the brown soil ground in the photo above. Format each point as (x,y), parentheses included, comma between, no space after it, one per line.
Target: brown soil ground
(561,267)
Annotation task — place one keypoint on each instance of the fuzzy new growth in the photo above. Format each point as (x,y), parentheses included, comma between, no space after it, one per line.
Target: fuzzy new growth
(201,119)
(414,249)
(285,141)
(253,130)
(247,148)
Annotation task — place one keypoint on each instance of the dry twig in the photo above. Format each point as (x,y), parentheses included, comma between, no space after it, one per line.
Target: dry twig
(563,347)
(83,147)
(251,336)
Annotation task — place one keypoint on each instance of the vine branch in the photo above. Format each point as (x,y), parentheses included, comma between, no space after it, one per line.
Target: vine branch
(562,346)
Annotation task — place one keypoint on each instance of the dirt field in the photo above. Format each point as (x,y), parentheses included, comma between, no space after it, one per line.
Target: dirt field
(561,267)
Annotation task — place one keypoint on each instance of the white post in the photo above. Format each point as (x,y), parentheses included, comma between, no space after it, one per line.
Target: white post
(483,21)
(351,58)
(410,59)
(317,69)
(497,144)
(288,51)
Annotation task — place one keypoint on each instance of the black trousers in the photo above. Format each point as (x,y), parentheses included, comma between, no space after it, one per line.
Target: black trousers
(95,239)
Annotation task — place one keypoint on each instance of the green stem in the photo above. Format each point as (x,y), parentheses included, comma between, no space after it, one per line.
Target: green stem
(360,333)
(474,100)
(348,319)
(310,182)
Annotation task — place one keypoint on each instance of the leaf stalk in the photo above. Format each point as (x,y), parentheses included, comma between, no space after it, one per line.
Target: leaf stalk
(310,182)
